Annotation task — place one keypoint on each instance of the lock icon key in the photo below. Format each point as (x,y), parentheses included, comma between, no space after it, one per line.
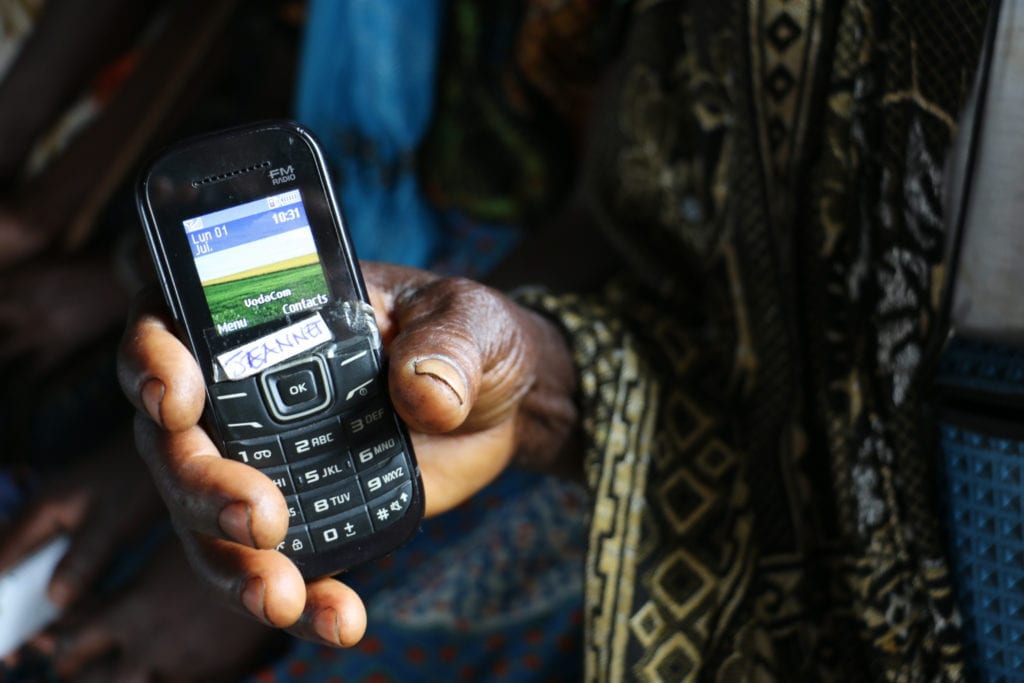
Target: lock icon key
(296,545)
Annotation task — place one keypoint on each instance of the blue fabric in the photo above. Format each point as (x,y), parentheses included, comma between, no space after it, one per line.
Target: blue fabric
(366,87)
(987,531)
(983,486)
(981,366)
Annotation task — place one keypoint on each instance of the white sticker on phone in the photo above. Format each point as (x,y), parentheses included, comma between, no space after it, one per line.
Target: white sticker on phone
(288,342)
(25,608)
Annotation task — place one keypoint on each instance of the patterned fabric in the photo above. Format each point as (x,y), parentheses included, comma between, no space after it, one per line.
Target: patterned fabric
(488,592)
(760,450)
(983,458)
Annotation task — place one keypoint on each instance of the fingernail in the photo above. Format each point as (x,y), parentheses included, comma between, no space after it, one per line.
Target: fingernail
(444,372)
(326,624)
(252,598)
(60,591)
(236,522)
(152,393)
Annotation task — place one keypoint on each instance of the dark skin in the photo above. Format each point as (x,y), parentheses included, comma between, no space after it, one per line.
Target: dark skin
(478,379)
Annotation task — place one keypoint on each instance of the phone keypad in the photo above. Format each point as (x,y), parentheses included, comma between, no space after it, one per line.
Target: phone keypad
(355,376)
(342,477)
(298,387)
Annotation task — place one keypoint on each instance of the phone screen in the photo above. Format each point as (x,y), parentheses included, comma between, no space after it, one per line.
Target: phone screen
(257,262)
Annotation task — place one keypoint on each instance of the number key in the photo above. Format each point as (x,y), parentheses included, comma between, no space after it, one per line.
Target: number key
(320,438)
(322,471)
(256,452)
(374,416)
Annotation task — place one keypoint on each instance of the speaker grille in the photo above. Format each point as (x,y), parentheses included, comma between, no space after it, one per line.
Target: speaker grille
(220,177)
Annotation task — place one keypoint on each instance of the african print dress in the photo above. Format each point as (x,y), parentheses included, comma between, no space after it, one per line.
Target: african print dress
(762,456)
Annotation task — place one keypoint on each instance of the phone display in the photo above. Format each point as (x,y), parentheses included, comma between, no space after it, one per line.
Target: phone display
(257,262)
(261,277)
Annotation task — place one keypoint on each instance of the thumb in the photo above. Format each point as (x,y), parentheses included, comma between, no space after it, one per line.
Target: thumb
(459,358)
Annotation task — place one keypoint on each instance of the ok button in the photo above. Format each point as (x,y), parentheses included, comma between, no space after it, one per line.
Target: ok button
(297,387)
(297,390)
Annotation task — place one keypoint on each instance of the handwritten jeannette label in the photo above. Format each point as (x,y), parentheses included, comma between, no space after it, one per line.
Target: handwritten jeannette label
(288,342)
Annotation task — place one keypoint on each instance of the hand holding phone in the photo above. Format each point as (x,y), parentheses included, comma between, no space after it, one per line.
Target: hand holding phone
(475,377)
(262,280)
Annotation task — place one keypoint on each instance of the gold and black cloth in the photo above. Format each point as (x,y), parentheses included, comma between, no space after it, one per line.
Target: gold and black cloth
(761,453)
(760,450)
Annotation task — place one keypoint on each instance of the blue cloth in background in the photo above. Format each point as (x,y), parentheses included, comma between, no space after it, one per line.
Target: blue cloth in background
(982,442)
(366,88)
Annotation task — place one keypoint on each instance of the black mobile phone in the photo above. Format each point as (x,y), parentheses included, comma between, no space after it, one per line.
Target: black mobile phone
(261,277)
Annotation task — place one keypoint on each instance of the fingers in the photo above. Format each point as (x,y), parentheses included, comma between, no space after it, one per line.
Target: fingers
(459,355)
(334,615)
(262,583)
(210,494)
(386,284)
(157,373)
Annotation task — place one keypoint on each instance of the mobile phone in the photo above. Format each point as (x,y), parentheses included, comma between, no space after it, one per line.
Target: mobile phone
(261,277)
